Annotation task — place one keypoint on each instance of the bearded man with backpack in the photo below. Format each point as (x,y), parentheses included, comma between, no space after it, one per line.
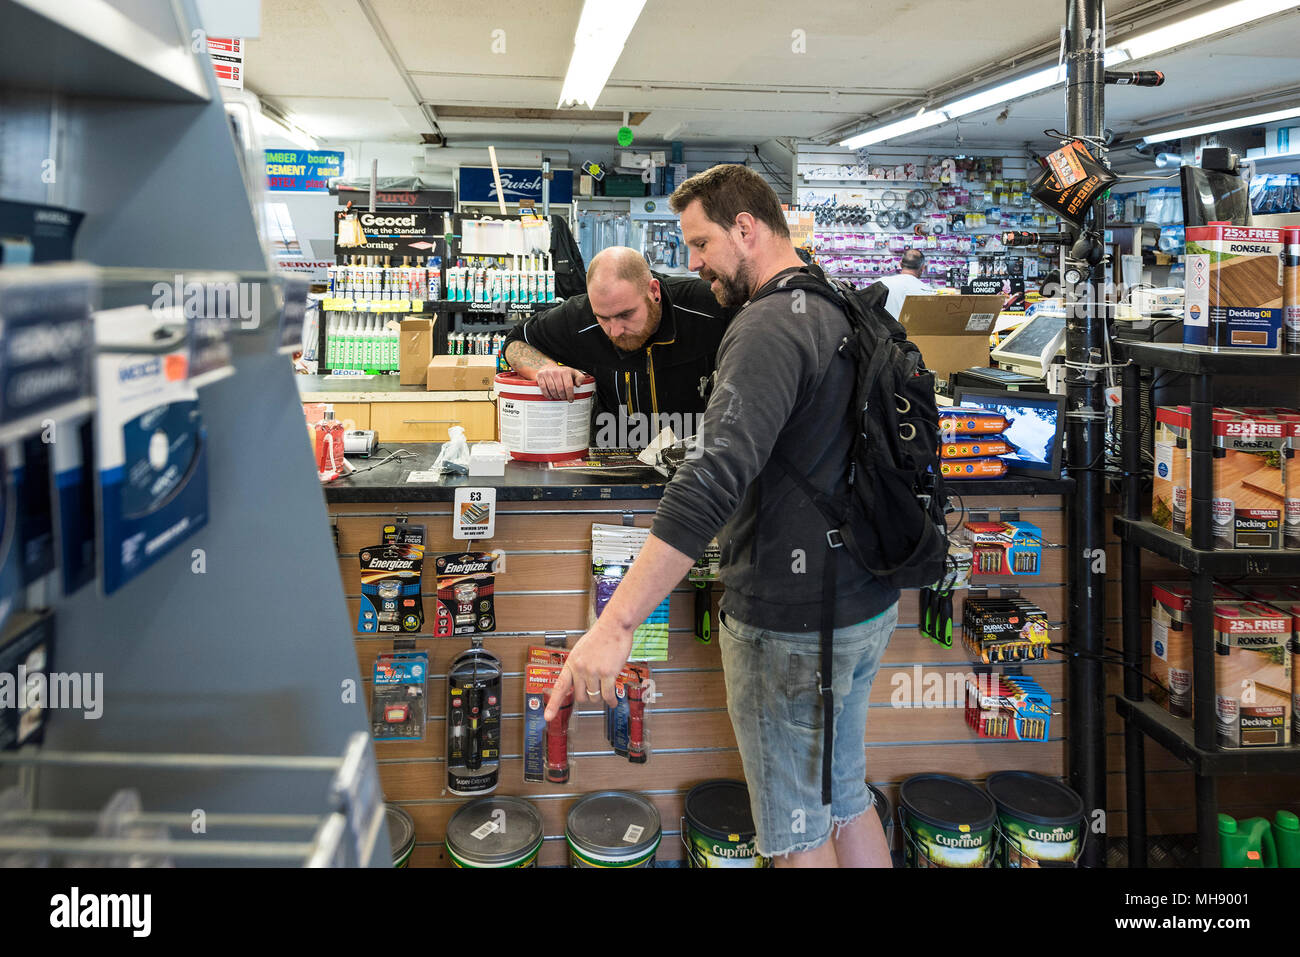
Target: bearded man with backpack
(815,468)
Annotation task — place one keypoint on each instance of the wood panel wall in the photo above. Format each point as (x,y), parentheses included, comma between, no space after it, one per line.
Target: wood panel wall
(545,589)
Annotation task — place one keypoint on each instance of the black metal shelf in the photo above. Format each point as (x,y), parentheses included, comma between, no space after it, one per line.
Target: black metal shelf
(1224,562)
(1177,358)
(1176,736)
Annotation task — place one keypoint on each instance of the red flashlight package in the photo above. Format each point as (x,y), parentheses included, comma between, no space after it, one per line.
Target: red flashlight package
(466,582)
(397,696)
(546,746)
(625,724)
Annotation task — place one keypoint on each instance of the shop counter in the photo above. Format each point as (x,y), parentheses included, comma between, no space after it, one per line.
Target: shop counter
(401,413)
(544,527)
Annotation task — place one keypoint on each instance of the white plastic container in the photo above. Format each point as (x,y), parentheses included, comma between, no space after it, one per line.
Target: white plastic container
(488,458)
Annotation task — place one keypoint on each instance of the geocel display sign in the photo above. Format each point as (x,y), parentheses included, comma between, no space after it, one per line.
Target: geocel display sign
(477,185)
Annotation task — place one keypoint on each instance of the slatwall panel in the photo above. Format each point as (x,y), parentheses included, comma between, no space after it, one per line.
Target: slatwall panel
(1171,792)
(913,726)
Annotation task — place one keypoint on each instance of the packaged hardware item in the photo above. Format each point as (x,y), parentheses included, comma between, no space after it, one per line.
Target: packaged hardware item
(972,468)
(625,724)
(1169,483)
(390,582)
(1252,675)
(1291,290)
(1248,491)
(473,722)
(613,549)
(997,630)
(1234,289)
(959,422)
(975,447)
(546,746)
(1014,707)
(397,696)
(466,605)
(1004,548)
(1171,643)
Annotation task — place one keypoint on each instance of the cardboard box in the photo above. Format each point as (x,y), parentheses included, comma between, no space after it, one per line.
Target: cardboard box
(460,373)
(416,350)
(1234,289)
(1252,675)
(952,332)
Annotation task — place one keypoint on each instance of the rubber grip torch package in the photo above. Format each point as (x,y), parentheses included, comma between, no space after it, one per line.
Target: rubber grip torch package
(625,723)
(390,582)
(397,696)
(474,722)
(1252,675)
(466,583)
(546,746)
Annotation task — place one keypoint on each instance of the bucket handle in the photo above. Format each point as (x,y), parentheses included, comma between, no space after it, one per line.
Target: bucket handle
(690,851)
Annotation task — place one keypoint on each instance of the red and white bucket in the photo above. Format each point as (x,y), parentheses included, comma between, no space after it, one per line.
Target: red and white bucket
(537,429)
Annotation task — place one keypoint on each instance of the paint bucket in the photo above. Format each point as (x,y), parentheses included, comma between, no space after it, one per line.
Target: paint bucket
(401,833)
(1040,820)
(946,822)
(612,829)
(886,814)
(497,831)
(718,826)
(534,428)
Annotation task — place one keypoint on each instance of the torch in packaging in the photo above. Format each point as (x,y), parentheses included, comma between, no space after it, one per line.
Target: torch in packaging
(466,582)
(390,582)
(473,722)
(397,696)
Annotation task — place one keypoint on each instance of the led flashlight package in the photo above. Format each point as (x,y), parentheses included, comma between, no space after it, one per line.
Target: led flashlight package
(466,582)
(390,582)
(473,722)
(397,696)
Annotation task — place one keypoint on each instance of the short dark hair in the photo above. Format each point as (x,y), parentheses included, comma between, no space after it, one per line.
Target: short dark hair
(726,191)
(912,259)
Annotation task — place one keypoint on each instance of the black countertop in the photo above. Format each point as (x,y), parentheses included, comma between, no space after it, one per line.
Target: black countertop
(531,482)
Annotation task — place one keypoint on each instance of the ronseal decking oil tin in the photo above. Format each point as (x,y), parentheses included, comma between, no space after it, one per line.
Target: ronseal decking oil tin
(497,831)
(718,826)
(1233,289)
(1252,675)
(401,834)
(1040,820)
(1291,290)
(946,822)
(612,829)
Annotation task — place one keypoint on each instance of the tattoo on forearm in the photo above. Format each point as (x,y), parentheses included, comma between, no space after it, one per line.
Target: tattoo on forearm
(522,356)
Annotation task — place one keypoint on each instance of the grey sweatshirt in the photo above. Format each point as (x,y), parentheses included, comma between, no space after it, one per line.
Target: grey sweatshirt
(780,386)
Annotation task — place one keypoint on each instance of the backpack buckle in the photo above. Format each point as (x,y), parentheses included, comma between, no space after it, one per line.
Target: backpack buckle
(834,539)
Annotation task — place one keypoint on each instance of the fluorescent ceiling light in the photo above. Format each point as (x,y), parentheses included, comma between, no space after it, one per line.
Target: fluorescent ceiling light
(1257,120)
(1219,20)
(1143,45)
(603,29)
(268,125)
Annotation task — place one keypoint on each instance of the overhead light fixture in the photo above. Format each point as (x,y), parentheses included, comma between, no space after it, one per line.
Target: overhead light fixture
(1259,119)
(603,30)
(1137,47)
(268,125)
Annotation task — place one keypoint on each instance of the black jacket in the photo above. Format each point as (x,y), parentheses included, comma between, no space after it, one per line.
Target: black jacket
(661,378)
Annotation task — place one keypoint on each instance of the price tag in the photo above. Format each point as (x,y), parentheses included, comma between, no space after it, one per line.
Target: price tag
(979,321)
(474,513)
(633,833)
(483,830)
(1065,164)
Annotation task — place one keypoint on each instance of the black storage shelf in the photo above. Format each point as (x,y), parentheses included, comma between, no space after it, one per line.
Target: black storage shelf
(1192,742)
(1175,735)
(1230,563)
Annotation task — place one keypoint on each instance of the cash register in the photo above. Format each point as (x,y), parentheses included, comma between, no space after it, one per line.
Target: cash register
(1025,356)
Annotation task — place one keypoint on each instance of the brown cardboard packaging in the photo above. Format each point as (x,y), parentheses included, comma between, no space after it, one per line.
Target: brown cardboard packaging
(1252,675)
(460,373)
(416,350)
(952,332)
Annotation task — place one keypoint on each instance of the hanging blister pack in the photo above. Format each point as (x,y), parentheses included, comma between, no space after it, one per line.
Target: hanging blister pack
(466,582)
(390,582)
(473,722)
(398,695)
(613,550)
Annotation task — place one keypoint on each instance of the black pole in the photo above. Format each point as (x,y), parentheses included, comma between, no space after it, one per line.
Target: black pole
(1134,738)
(1086,416)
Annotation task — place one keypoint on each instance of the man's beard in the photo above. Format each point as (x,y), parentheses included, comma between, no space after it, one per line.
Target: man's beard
(732,290)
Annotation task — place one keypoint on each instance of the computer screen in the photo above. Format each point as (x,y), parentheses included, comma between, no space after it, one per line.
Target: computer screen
(1210,196)
(1036,422)
(1027,345)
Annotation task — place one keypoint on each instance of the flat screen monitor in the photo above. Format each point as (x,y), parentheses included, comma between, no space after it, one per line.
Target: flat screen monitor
(1036,426)
(1210,196)
(1032,347)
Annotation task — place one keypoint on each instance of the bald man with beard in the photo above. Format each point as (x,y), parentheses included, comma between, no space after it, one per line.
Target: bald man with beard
(649,340)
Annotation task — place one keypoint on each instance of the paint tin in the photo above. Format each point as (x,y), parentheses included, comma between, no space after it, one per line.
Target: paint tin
(1040,820)
(718,826)
(401,833)
(612,829)
(946,822)
(497,831)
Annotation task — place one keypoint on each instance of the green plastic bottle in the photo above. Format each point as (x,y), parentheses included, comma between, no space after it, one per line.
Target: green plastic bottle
(1247,843)
(1286,837)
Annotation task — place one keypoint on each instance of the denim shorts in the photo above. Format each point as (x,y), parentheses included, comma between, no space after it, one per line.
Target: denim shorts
(776,712)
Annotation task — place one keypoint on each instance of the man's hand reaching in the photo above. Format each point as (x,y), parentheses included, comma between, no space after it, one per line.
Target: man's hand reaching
(557,381)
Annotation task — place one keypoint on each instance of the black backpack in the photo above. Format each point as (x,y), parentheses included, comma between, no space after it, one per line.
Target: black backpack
(892,520)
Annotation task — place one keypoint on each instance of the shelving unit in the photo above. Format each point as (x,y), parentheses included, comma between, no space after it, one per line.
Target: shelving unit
(1192,742)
